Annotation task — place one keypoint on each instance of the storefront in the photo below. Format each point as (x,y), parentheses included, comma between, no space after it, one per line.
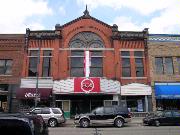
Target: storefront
(137,97)
(82,95)
(27,96)
(167,95)
(27,92)
(3,96)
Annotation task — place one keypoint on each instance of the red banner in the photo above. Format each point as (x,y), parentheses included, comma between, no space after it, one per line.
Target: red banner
(86,85)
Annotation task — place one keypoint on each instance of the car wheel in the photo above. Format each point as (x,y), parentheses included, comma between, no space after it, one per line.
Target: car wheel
(52,123)
(119,122)
(84,123)
(157,123)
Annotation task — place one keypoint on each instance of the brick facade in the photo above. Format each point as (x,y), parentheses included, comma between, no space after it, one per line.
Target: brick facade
(163,49)
(12,48)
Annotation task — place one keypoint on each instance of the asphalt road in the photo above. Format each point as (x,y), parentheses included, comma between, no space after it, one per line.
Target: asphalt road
(109,130)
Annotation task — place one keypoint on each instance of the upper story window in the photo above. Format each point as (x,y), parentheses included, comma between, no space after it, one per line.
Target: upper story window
(79,43)
(6,67)
(178,63)
(126,65)
(168,63)
(33,61)
(96,67)
(159,65)
(139,66)
(46,69)
(164,65)
(77,63)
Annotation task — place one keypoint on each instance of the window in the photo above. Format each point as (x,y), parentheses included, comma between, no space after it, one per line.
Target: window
(164,65)
(46,72)
(167,114)
(56,111)
(159,65)
(45,111)
(126,66)
(138,53)
(5,67)
(96,68)
(37,111)
(99,111)
(169,65)
(77,63)
(108,110)
(33,61)
(178,62)
(139,67)
(176,114)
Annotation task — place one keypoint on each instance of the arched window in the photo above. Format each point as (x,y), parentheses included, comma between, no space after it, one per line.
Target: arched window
(78,44)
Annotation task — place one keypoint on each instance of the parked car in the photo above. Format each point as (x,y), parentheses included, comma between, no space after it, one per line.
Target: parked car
(115,115)
(40,127)
(51,116)
(167,117)
(17,123)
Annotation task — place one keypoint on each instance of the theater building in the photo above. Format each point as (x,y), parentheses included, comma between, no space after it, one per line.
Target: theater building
(164,57)
(11,62)
(84,64)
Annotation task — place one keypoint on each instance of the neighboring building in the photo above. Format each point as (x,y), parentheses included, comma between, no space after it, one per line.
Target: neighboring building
(164,56)
(11,62)
(84,64)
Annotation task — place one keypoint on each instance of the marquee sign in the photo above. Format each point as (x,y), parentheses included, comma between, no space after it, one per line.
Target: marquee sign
(87,85)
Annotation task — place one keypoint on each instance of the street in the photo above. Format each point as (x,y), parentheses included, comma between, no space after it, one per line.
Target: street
(131,129)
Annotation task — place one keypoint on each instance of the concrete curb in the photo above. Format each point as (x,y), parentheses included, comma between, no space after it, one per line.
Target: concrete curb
(135,121)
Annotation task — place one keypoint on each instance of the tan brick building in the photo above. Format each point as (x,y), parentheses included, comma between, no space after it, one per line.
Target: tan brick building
(11,62)
(164,57)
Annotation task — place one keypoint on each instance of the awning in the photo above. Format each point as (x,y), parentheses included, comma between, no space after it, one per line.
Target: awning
(167,90)
(30,93)
(136,89)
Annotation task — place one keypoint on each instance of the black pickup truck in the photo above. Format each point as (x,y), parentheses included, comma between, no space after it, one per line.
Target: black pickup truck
(115,115)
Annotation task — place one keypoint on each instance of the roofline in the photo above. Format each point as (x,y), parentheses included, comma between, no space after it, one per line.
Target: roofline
(84,17)
(165,35)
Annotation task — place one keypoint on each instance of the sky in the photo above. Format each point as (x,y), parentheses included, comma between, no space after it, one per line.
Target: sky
(160,16)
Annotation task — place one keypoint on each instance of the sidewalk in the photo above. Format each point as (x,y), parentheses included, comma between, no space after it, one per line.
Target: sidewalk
(135,120)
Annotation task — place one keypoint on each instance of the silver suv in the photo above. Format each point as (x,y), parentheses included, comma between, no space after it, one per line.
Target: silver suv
(51,116)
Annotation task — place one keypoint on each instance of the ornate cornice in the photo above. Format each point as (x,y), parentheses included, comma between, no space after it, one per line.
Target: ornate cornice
(43,34)
(164,38)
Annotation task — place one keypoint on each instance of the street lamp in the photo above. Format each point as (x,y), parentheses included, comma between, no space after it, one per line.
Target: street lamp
(37,73)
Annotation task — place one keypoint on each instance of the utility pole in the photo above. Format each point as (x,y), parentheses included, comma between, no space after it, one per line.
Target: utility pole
(37,74)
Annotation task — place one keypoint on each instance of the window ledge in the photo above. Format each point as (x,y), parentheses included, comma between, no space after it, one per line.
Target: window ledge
(133,77)
(6,75)
(39,77)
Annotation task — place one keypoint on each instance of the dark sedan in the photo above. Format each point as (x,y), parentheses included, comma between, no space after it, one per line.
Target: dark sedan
(167,117)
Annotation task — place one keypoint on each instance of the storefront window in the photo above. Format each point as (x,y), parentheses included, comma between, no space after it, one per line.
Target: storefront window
(136,103)
(47,54)
(5,67)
